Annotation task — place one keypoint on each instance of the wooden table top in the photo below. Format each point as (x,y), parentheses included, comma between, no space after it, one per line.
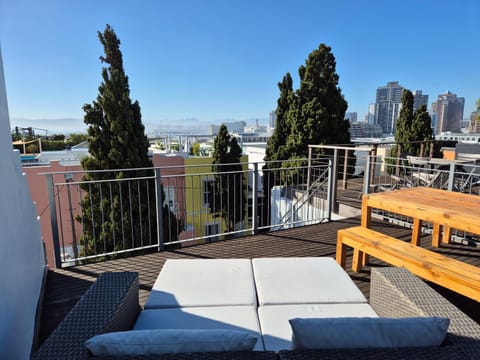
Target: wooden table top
(457,210)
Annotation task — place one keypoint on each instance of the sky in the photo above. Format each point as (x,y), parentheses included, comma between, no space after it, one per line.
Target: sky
(208,61)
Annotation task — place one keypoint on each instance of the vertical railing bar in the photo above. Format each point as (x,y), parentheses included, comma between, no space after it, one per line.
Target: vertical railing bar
(122,219)
(94,233)
(140,220)
(149,214)
(53,219)
(112,215)
(158,198)
(130,205)
(254,198)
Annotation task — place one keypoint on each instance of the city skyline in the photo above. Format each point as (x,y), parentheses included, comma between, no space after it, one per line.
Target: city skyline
(209,61)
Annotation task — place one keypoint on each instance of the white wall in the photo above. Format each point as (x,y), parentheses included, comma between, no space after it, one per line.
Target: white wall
(21,252)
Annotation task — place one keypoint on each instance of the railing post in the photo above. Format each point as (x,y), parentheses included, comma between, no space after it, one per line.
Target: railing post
(451,176)
(158,197)
(331,185)
(397,162)
(254,198)
(345,170)
(54,223)
(368,174)
(334,176)
(309,170)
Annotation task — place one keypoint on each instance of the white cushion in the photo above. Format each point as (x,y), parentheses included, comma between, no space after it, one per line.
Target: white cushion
(203,282)
(303,281)
(156,342)
(242,318)
(274,319)
(340,333)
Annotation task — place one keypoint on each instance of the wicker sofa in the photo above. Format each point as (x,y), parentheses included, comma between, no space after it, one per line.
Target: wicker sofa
(111,304)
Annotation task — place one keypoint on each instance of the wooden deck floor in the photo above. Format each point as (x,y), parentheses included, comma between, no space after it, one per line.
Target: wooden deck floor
(65,286)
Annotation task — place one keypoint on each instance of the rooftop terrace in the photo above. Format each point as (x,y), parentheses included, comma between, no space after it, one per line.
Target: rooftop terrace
(65,286)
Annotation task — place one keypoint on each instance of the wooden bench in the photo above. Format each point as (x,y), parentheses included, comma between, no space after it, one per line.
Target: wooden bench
(450,273)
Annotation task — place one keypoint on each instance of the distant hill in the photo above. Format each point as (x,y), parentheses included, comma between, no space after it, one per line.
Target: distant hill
(52,126)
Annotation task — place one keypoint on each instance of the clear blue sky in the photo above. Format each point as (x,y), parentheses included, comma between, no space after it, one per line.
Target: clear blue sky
(221,59)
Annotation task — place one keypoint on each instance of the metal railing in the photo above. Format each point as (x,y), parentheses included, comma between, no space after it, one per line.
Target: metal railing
(128,210)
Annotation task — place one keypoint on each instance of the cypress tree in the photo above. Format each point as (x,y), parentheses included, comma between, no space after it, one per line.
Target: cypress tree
(403,126)
(317,114)
(228,198)
(120,215)
(421,128)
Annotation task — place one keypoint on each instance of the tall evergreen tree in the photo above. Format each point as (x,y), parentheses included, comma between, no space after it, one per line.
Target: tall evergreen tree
(403,126)
(317,114)
(276,150)
(421,128)
(122,215)
(276,143)
(228,198)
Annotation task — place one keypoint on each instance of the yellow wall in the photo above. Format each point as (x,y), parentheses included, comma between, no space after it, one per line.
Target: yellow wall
(197,170)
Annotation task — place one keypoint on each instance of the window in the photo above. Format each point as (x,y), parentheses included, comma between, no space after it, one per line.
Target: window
(208,190)
(212,229)
(170,197)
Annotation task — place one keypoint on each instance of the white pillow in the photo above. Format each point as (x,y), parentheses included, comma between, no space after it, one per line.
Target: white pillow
(365,332)
(168,341)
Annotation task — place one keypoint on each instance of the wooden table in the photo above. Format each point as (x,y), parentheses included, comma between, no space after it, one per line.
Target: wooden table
(452,210)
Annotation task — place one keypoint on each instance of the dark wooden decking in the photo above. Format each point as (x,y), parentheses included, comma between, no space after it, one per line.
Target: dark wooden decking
(65,286)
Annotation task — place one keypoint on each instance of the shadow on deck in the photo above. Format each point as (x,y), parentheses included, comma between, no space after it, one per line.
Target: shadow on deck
(65,286)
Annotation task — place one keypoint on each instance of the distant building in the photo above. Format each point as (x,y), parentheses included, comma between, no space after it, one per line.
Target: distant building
(388,103)
(364,130)
(449,110)
(419,99)
(352,116)
(474,125)
(272,122)
(233,126)
(371,114)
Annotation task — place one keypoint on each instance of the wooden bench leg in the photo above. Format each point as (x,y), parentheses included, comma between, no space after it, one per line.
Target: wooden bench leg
(357,260)
(365,259)
(436,235)
(447,234)
(341,256)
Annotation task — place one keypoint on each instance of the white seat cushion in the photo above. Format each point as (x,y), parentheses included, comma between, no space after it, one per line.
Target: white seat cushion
(303,281)
(203,282)
(276,329)
(242,318)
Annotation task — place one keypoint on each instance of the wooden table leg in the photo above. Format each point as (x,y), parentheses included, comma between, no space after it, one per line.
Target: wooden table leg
(366,212)
(416,232)
(436,235)
(447,234)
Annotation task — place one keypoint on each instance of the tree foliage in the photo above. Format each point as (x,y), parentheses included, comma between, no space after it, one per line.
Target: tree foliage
(121,214)
(228,193)
(412,127)
(404,123)
(317,113)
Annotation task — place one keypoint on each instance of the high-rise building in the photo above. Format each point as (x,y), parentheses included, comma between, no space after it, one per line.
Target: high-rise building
(351,116)
(474,125)
(388,103)
(419,99)
(273,119)
(371,114)
(449,110)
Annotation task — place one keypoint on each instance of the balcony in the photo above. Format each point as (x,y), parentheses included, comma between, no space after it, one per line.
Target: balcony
(315,236)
